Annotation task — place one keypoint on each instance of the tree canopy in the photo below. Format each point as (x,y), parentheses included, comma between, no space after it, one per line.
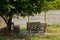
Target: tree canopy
(8,8)
(24,7)
(52,5)
(27,7)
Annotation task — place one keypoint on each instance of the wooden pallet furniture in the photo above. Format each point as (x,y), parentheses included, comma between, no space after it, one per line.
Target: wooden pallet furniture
(36,26)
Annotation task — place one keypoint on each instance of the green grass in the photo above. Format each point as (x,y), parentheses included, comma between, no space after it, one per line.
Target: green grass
(38,37)
(2,37)
(51,29)
(34,37)
(23,27)
(45,37)
(54,28)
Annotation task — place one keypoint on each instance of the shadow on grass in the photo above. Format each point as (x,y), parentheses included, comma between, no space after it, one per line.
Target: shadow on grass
(15,37)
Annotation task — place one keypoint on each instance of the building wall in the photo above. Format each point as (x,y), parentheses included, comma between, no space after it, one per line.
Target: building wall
(52,17)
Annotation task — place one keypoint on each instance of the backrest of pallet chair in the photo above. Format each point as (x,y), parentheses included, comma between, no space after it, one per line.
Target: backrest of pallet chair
(33,26)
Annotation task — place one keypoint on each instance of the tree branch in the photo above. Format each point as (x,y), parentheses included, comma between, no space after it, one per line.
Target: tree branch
(4,19)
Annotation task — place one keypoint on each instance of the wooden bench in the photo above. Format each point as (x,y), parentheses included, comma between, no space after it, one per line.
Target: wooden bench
(33,26)
(36,26)
(43,27)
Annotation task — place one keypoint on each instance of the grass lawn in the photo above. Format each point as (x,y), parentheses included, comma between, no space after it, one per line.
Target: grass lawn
(46,37)
(34,37)
(51,29)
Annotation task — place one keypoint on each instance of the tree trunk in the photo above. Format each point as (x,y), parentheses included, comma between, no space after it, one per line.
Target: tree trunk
(8,22)
(9,25)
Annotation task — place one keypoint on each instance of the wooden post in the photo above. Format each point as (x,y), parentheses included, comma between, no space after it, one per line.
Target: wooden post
(28,26)
(28,19)
(45,28)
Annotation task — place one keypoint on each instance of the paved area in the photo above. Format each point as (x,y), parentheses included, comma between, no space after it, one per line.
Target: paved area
(25,32)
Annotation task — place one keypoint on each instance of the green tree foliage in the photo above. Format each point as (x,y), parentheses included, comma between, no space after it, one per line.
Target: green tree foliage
(57,4)
(8,8)
(51,5)
(24,7)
